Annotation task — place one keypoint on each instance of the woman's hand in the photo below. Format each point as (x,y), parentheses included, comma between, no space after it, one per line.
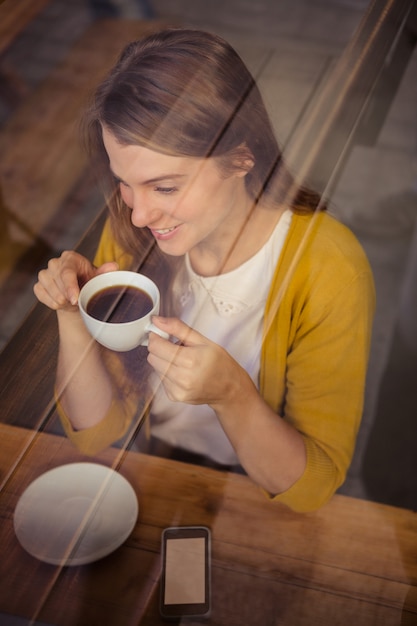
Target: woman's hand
(195,370)
(59,285)
(198,371)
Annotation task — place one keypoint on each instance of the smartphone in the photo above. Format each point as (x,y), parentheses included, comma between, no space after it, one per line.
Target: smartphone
(185,582)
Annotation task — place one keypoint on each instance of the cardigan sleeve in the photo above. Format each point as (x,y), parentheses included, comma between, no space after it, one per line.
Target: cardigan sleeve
(112,428)
(318,352)
(129,406)
(326,373)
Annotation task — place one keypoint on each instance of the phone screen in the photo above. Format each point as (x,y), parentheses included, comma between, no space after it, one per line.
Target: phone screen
(185,579)
(185,571)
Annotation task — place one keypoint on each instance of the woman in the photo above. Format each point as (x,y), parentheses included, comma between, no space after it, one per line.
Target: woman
(270,299)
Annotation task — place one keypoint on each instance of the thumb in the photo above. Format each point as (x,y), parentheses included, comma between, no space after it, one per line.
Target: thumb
(110,266)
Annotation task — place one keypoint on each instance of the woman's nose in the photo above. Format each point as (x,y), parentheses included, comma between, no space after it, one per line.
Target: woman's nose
(143,213)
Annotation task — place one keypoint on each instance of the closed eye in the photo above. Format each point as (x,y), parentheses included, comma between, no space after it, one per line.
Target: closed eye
(166,190)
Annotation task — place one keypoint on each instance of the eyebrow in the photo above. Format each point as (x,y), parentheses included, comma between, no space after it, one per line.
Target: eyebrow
(152,181)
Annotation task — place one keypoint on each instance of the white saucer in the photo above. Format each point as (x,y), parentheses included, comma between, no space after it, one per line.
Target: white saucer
(75,514)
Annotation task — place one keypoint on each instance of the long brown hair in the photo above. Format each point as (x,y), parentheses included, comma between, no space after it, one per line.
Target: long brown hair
(187,92)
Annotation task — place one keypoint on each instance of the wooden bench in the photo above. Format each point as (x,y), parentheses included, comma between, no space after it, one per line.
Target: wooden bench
(41,156)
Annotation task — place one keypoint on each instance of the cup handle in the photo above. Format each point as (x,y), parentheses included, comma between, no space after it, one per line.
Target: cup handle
(151,328)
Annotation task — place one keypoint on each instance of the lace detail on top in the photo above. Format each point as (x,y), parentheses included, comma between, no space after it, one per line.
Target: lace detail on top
(239,290)
(224,303)
(227,308)
(185,296)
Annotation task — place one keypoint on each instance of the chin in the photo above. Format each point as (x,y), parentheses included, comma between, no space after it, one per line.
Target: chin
(170,250)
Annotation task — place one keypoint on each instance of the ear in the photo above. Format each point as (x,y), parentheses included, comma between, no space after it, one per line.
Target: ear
(243,160)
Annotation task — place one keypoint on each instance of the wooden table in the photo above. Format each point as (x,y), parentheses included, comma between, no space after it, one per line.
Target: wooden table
(352,562)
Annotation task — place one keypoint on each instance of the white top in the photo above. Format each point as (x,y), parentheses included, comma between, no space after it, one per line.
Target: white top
(229,310)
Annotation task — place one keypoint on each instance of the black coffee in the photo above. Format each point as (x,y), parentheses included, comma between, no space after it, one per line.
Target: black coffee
(119,304)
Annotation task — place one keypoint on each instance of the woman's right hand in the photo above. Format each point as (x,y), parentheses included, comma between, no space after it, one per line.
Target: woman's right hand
(59,285)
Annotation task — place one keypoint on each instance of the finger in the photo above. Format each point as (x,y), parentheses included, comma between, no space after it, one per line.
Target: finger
(182,384)
(173,379)
(48,290)
(70,285)
(76,275)
(75,271)
(59,282)
(163,354)
(44,296)
(179,367)
(111,266)
(184,334)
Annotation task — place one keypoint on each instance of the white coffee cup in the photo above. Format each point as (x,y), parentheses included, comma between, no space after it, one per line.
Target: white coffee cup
(120,336)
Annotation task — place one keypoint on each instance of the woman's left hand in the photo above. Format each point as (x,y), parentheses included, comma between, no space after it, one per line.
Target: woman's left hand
(195,370)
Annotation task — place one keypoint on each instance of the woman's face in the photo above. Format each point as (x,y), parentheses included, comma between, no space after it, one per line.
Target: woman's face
(187,204)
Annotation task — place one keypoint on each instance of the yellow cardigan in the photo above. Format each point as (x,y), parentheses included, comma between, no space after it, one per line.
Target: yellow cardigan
(317,332)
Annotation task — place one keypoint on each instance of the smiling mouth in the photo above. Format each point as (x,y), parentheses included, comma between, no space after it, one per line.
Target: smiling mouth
(163,231)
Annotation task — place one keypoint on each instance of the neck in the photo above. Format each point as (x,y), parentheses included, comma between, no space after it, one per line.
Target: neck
(237,246)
